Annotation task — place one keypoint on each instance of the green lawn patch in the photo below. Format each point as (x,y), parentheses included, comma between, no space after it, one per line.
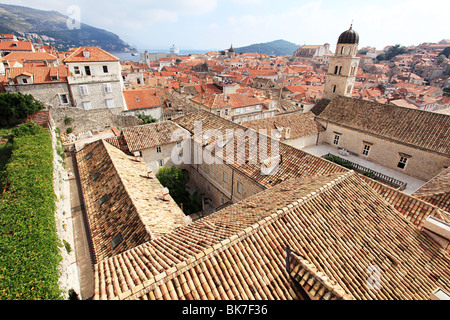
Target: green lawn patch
(29,253)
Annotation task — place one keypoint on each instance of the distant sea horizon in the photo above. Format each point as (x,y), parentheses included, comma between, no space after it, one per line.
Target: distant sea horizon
(126,56)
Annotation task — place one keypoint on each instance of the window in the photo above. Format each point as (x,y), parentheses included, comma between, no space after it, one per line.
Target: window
(158,149)
(336,70)
(212,168)
(84,90)
(160,163)
(63,98)
(208,188)
(110,103)
(103,199)
(366,150)
(90,155)
(222,201)
(334,88)
(107,87)
(239,188)
(76,70)
(225,177)
(105,69)
(24,80)
(95,176)
(116,241)
(87,70)
(402,163)
(87,105)
(336,139)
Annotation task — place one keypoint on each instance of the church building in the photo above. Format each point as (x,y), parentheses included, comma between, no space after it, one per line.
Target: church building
(343,66)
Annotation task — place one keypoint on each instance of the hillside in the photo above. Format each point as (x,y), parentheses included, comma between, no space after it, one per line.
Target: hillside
(277,47)
(50,27)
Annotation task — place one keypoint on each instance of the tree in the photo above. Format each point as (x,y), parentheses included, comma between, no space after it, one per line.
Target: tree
(146,119)
(175,179)
(391,53)
(18,105)
(446,52)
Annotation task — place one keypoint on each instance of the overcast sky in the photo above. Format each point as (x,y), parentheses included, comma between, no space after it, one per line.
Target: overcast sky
(215,24)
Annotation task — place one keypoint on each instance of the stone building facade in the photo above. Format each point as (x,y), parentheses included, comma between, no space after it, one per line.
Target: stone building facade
(95,79)
(343,66)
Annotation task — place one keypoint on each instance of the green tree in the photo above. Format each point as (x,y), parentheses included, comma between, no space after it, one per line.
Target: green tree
(146,119)
(446,52)
(18,105)
(175,179)
(391,52)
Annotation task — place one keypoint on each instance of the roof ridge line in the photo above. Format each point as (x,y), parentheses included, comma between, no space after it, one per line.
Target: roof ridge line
(331,285)
(224,244)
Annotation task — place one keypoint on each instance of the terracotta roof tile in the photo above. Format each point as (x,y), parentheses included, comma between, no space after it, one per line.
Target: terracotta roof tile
(141,99)
(121,199)
(300,124)
(95,55)
(336,233)
(421,129)
(150,135)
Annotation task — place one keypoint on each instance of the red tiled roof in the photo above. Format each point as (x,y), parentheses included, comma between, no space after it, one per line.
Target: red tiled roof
(337,228)
(40,74)
(16,46)
(29,56)
(141,99)
(96,54)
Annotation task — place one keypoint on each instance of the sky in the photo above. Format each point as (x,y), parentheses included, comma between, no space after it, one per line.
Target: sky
(216,24)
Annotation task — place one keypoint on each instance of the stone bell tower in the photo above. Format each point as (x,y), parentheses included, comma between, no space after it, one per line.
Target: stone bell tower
(343,66)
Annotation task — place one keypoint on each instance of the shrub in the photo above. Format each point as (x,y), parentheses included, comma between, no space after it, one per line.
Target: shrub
(339,161)
(69,130)
(18,105)
(29,254)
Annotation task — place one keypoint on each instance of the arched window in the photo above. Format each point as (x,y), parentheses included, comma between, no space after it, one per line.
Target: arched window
(336,70)
(342,50)
(334,88)
(340,70)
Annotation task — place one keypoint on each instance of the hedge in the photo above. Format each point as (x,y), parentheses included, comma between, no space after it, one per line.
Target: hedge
(29,253)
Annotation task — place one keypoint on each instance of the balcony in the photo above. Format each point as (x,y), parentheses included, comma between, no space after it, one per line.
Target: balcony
(93,78)
(392,177)
(392,182)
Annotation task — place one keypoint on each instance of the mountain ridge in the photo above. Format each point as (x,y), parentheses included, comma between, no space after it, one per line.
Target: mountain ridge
(276,47)
(51,27)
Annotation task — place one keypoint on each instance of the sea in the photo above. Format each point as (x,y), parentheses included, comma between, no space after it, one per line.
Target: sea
(127,56)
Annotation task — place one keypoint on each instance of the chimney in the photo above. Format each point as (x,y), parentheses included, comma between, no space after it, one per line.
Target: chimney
(439,294)
(137,156)
(438,230)
(149,173)
(165,194)
(287,133)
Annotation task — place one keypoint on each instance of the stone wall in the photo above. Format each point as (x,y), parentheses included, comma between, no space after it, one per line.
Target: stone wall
(423,165)
(91,120)
(48,94)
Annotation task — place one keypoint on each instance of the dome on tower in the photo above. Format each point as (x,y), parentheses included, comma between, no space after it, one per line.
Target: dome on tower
(231,49)
(350,37)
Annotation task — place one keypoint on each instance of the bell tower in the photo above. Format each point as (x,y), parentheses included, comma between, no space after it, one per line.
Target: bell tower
(343,66)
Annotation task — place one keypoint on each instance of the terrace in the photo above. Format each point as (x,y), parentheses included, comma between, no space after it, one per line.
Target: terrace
(382,174)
